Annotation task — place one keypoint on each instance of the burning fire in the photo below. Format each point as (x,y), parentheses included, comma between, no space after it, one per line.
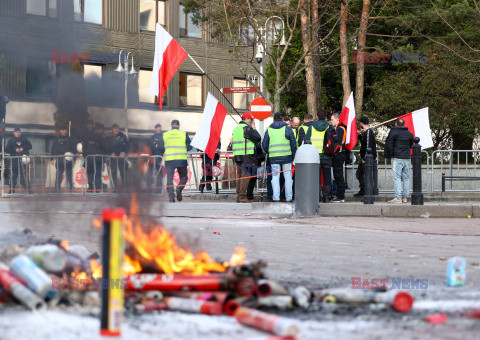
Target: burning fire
(238,257)
(96,269)
(65,244)
(158,246)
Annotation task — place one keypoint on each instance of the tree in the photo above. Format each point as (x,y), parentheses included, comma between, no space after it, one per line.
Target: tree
(236,22)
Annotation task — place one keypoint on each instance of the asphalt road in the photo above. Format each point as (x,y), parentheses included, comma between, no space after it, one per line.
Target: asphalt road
(320,252)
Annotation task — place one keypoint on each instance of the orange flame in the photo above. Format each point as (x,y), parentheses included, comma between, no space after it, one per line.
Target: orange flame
(158,245)
(96,269)
(97,223)
(238,257)
(65,244)
(130,266)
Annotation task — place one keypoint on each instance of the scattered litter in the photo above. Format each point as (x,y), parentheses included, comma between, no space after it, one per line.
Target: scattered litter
(217,233)
(469,216)
(426,215)
(456,271)
(437,318)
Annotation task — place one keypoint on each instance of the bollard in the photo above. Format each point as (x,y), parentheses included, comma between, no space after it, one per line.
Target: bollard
(369,198)
(417,195)
(307,186)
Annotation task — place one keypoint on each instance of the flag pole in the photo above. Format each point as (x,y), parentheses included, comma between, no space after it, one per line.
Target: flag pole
(208,77)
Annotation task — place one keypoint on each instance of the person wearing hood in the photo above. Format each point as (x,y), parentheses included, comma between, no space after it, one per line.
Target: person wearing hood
(280,145)
(317,135)
(244,141)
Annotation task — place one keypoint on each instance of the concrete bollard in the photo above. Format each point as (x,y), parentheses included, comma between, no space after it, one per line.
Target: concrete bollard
(417,195)
(369,198)
(307,186)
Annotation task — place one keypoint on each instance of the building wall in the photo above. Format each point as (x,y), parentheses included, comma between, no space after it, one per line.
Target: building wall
(24,36)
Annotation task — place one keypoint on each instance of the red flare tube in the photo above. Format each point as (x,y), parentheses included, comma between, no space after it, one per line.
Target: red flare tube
(163,282)
(193,306)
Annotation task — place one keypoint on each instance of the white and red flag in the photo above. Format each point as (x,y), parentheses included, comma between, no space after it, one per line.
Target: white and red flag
(169,55)
(348,119)
(418,124)
(208,133)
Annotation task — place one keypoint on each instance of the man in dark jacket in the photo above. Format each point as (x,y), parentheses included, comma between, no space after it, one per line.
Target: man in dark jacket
(155,180)
(90,147)
(118,144)
(62,145)
(317,136)
(280,145)
(19,146)
(244,141)
(338,160)
(367,141)
(398,147)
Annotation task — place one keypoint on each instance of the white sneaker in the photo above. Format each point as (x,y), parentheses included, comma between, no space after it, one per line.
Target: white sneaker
(395,201)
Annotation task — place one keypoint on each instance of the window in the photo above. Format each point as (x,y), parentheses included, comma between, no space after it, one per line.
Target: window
(151,12)
(241,100)
(88,11)
(92,74)
(187,27)
(190,90)
(41,77)
(144,80)
(42,7)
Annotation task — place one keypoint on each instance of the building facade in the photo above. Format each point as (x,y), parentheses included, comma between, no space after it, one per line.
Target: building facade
(42,40)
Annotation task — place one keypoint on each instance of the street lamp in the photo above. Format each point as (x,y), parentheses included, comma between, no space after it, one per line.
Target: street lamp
(124,69)
(260,55)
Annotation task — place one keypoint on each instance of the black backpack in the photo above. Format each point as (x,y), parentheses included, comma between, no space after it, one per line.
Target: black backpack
(332,146)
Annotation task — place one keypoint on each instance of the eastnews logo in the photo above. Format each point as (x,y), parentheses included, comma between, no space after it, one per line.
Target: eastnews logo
(59,57)
(397,57)
(389,283)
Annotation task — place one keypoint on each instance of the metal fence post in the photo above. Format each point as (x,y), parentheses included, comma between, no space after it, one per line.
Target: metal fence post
(443,182)
(417,195)
(369,198)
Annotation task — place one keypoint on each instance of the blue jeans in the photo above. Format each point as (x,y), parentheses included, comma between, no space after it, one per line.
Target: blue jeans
(288,181)
(401,177)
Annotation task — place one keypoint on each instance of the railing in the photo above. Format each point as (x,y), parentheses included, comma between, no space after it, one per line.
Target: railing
(103,175)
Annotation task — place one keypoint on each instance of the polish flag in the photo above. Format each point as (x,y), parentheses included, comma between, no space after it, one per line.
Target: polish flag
(348,119)
(418,124)
(208,133)
(169,55)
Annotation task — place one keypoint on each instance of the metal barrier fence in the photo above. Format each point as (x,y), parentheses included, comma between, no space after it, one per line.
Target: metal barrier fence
(103,175)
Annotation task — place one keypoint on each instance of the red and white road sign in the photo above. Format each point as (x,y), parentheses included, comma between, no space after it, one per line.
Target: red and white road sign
(247,89)
(260,108)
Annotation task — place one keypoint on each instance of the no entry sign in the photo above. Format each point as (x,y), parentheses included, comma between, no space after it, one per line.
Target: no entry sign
(260,108)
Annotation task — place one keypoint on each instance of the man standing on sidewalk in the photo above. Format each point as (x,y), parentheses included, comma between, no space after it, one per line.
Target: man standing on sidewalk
(368,141)
(280,145)
(398,147)
(339,159)
(244,140)
(318,137)
(176,143)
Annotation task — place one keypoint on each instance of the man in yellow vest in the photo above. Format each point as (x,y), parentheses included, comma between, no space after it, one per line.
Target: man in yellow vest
(317,135)
(244,141)
(176,143)
(280,145)
(302,130)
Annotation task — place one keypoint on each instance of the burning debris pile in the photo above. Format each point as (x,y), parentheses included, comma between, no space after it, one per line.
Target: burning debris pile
(157,274)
